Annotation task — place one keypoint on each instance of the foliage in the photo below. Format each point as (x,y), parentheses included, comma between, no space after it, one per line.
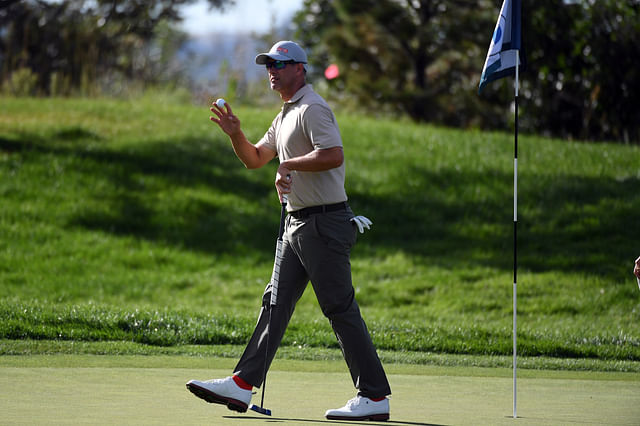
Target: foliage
(417,58)
(420,57)
(583,77)
(424,58)
(134,221)
(22,82)
(80,44)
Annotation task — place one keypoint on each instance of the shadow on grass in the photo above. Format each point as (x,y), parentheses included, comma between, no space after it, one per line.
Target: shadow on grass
(566,223)
(328,422)
(166,191)
(196,195)
(189,201)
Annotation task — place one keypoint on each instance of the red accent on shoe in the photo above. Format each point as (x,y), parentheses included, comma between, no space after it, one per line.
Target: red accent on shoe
(377,399)
(241,383)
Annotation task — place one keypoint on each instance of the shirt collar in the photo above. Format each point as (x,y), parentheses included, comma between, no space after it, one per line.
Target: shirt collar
(299,94)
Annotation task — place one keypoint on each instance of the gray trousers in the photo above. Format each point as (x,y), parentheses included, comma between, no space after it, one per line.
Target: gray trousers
(317,249)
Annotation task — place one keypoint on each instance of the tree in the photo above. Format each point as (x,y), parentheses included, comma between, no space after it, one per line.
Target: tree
(583,80)
(414,56)
(79,41)
(425,57)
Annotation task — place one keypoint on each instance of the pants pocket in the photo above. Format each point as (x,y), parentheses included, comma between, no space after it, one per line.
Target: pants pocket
(336,230)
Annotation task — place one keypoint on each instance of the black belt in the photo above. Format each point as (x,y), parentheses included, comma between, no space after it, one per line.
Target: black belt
(308,211)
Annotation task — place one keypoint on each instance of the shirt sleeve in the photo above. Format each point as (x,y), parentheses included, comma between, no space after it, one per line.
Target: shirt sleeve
(321,128)
(269,138)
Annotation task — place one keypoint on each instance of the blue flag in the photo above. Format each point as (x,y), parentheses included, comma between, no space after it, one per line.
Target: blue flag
(501,58)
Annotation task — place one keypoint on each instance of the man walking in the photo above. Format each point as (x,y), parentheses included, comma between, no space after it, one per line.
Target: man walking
(318,237)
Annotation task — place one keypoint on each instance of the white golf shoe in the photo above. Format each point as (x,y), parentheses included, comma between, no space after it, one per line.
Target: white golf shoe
(222,391)
(361,408)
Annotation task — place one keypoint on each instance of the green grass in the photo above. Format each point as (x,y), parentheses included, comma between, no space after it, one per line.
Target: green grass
(21,351)
(104,390)
(134,222)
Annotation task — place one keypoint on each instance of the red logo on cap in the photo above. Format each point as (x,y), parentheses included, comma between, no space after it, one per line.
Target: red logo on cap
(282,49)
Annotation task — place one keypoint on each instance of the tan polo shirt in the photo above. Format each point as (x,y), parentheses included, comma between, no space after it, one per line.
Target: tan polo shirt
(306,123)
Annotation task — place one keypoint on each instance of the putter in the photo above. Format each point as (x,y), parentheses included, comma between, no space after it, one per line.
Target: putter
(275,277)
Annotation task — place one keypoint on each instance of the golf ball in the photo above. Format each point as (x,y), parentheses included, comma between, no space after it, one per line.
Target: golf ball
(220,103)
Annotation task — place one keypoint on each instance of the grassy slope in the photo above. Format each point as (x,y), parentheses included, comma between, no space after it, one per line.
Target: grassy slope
(134,221)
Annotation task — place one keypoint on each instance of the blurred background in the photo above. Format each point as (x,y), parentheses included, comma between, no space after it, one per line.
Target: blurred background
(407,58)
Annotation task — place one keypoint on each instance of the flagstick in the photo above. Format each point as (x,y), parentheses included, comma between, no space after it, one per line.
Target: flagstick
(515,245)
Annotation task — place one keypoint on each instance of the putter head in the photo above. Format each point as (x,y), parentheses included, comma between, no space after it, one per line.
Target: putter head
(260,410)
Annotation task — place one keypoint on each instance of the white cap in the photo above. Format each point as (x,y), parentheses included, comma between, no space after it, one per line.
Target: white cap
(283,51)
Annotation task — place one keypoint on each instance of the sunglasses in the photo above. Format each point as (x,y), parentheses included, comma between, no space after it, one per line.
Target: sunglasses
(278,64)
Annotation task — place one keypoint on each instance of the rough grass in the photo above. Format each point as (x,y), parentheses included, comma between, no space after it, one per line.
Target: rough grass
(134,222)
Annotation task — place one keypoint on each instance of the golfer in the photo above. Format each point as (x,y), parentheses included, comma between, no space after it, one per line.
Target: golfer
(319,232)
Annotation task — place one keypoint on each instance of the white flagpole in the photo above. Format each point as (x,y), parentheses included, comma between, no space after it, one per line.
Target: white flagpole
(515,245)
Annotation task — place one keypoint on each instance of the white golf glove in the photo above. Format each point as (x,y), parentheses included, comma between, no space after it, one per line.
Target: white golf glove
(362,223)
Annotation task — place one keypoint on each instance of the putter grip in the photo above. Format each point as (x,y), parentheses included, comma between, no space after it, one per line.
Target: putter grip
(283,214)
(275,275)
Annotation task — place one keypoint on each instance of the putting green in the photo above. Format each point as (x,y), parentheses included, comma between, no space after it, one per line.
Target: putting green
(104,390)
